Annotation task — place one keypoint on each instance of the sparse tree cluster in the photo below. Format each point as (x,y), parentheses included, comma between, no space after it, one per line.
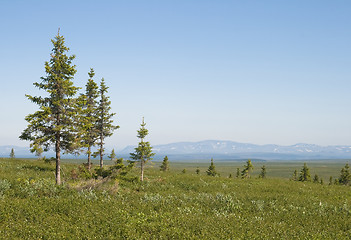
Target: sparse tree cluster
(64,121)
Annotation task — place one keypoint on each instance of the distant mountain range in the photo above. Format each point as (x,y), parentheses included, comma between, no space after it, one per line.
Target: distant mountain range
(228,150)
(235,150)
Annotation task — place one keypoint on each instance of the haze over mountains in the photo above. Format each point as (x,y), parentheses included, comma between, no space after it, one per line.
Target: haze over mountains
(223,150)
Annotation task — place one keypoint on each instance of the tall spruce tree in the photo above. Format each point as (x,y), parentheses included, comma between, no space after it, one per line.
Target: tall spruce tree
(143,153)
(105,125)
(88,117)
(165,164)
(54,124)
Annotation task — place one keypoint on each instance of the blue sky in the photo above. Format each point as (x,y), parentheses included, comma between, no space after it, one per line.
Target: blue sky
(248,71)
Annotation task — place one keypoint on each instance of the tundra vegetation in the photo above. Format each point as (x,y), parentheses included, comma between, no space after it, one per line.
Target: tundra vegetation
(115,204)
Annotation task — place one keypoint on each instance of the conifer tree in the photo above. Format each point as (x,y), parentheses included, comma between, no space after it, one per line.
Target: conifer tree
(330,180)
(112,156)
(88,117)
(305,174)
(316,178)
(237,172)
(294,177)
(143,153)
(245,173)
(211,171)
(54,124)
(105,125)
(345,176)
(197,171)
(321,182)
(12,153)
(165,164)
(230,175)
(263,172)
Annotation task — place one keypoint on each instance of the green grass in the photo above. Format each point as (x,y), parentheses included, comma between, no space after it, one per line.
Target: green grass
(173,205)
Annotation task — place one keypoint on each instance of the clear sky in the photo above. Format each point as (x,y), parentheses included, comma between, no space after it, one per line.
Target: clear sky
(248,71)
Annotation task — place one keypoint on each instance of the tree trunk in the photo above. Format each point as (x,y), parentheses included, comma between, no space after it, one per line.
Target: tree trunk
(142,169)
(89,160)
(58,156)
(101,161)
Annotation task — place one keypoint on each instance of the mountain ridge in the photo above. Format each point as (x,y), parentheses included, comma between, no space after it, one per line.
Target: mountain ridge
(222,149)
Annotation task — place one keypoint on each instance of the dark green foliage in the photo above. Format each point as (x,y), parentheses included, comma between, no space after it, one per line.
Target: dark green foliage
(263,172)
(165,164)
(143,153)
(112,156)
(321,182)
(345,176)
(88,115)
(245,173)
(211,171)
(105,125)
(12,153)
(184,170)
(230,175)
(197,171)
(316,178)
(55,123)
(305,174)
(237,172)
(115,171)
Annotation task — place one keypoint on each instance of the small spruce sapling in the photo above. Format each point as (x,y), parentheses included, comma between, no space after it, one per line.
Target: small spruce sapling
(345,176)
(294,176)
(12,154)
(197,171)
(245,173)
(237,172)
(165,164)
(112,156)
(330,180)
(316,178)
(305,174)
(143,153)
(263,172)
(211,171)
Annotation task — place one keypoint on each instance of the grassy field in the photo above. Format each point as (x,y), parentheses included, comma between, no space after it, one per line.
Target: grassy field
(173,205)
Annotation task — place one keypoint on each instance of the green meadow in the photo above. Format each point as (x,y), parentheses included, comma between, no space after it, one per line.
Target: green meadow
(173,205)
